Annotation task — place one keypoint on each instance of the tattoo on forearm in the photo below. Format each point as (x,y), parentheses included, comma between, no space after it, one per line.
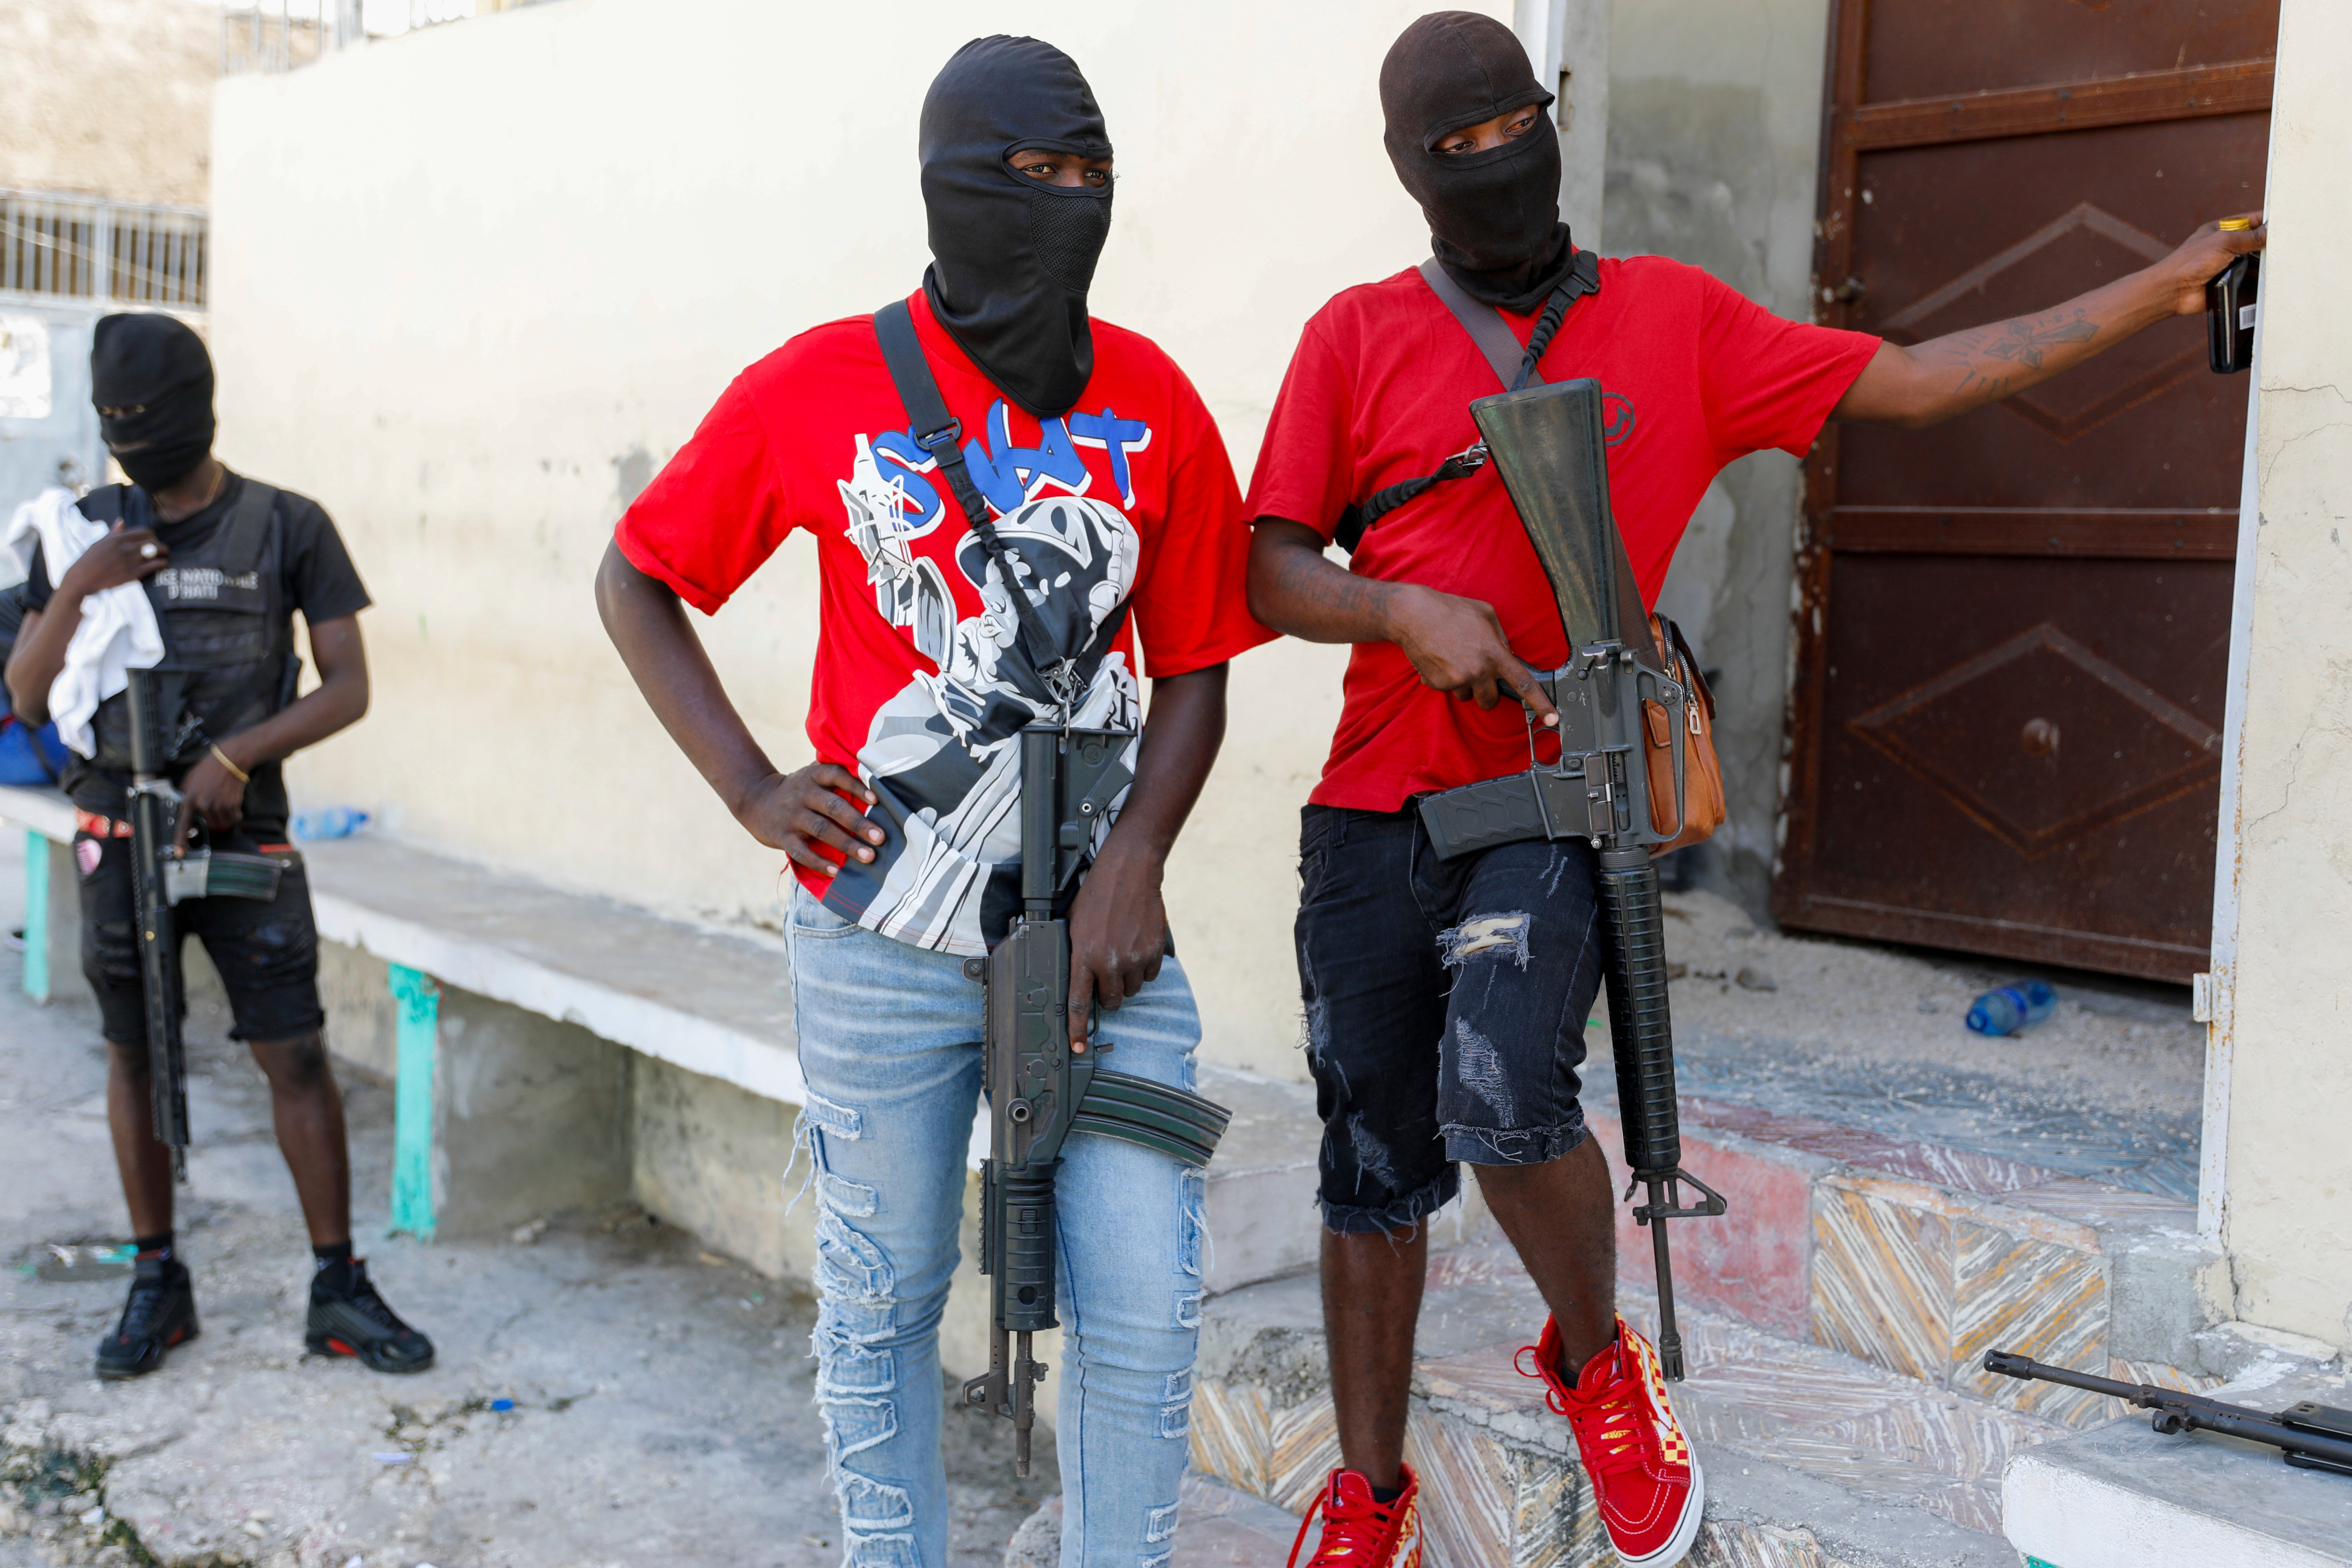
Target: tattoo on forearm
(2026,342)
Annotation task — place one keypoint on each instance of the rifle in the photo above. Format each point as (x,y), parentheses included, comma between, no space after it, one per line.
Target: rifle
(1039,1088)
(162,876)
(2309,1436)
(1546,442)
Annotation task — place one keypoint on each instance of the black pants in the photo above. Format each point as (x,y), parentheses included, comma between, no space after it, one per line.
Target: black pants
(1445,1008)
(267,954)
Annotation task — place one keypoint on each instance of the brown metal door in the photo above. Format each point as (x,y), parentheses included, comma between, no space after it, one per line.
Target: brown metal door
(2013,629)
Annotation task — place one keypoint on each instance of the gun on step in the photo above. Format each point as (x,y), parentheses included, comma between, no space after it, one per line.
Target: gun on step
(162,876)
(2309,1436)
(1614,691)
(1039,1088)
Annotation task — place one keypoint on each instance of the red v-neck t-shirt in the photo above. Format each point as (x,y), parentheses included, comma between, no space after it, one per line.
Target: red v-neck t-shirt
(1695,375)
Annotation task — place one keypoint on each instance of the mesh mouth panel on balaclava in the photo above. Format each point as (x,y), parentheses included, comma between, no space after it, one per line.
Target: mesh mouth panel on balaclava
(1012,259)
(1493,216)
(158,365)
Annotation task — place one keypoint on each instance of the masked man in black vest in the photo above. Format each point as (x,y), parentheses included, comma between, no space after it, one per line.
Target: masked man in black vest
(225,561)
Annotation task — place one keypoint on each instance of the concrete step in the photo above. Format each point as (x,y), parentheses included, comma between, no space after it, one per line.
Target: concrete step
(1813,1458)
(1918,1257)
(2123,1496)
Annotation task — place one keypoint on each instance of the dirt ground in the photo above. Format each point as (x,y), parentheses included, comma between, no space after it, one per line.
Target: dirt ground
(2119,1044)
(662,1409)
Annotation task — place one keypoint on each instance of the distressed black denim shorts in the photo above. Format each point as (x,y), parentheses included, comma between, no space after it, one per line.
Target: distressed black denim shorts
(1445,1008)
(267,954)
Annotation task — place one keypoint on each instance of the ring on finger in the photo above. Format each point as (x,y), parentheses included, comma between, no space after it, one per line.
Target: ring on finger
(147,552)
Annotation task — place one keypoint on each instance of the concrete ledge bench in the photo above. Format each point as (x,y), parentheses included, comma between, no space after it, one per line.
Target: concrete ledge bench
(553,1049)
(2122,1496)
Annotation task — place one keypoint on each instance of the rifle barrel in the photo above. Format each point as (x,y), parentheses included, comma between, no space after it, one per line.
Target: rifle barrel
(2190,1411)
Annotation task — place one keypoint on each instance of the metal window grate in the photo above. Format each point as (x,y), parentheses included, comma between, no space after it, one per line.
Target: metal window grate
(84,248)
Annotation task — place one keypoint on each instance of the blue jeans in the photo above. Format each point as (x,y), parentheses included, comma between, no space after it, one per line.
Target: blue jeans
(889,1043)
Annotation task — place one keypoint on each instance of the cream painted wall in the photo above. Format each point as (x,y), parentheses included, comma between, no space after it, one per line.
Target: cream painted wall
(473,286)
(2284,1065)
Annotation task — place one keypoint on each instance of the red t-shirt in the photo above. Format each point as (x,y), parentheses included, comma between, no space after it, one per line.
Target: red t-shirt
(1695,375)
(923,677)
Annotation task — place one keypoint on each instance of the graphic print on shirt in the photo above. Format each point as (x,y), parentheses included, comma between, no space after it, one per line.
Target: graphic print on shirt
(941,755)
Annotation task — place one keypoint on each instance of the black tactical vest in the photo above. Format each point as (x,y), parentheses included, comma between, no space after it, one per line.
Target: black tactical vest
(228,638)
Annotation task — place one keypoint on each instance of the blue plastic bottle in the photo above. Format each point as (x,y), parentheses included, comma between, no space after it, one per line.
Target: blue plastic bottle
(2011,1008)
(335,822)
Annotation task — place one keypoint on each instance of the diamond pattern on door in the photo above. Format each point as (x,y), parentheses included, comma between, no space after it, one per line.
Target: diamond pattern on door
(2088,397)
(2079,742)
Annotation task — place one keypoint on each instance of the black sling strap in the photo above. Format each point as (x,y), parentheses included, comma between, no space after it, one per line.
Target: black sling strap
(1513,366)
(940,434)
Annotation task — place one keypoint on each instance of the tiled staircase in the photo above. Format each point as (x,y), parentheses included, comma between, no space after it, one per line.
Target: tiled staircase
(1834,1322)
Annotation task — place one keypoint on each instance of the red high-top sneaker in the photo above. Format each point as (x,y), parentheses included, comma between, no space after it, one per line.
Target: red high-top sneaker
(1358,1533)
(1643,1475)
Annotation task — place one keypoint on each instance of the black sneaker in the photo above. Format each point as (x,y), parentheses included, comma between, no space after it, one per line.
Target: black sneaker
(160,1313)
(355,1321)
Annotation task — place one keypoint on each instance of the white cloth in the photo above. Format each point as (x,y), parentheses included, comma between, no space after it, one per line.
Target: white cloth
(117,632)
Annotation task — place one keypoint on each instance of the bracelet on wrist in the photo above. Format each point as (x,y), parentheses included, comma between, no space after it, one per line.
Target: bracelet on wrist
(223,758)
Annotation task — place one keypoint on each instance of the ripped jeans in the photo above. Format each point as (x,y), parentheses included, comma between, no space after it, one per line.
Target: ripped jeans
(889,1044)
(1445,1006)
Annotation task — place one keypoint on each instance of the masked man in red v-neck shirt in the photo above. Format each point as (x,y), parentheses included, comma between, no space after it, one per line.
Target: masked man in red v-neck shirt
(1446,1000)
(1112,546)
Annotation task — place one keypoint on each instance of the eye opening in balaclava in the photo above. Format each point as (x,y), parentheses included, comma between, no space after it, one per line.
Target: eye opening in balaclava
(158,365)
(1494,215)
(1012,259)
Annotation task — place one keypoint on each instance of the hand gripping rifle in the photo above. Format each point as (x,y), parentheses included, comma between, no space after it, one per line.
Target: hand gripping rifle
(1546,441)
(2309,1436)
(164,875)
(1040,1089)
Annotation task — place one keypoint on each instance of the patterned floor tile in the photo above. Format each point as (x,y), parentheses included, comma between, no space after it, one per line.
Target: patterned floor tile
(1303,1448)
(2097,1202)
(1708,1339)
(1554,1522)
(1794,1392)
(1468,1491)
(1852,1466)
(1756,1546)
(1971,1505)
(2152,1151)
(1230,1434)
(1882,1282)
(1484,1377)
(2159,1374)
(1956,1438)
(2016,1293)
(1966,1170)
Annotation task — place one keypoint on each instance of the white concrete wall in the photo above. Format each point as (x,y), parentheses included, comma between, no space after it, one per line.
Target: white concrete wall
(2285,884)
(1715,110)
(473,286)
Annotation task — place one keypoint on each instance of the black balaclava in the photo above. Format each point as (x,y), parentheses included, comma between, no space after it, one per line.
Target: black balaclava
(158,365)
(1493,216)
(1011,260)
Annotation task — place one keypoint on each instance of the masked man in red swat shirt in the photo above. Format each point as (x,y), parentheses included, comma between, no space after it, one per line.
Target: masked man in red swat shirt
(1446,1000)
(1113,531)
